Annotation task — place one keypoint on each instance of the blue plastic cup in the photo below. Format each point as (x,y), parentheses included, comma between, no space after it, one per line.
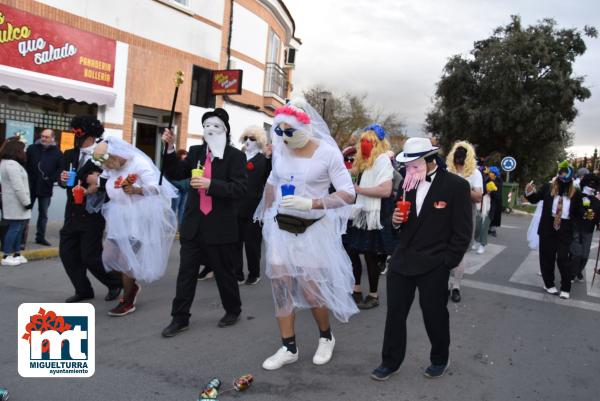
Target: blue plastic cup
(287,189)
(72,178)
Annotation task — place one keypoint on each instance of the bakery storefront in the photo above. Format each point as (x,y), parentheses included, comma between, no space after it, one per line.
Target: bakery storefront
(50,72)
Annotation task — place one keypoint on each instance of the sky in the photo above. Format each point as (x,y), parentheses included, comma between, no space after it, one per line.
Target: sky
(394,50)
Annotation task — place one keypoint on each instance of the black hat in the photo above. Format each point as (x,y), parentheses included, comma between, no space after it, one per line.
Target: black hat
(590,180)
(85,126)
(221,114)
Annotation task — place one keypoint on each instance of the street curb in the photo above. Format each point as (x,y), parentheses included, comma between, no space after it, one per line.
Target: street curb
(39,254)
(521,213)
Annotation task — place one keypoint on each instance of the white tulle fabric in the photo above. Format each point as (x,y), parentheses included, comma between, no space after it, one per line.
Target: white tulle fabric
(532,232)
(312,269)
(139,228)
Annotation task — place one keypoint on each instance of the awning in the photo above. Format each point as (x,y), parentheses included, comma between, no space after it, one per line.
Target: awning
(42,84)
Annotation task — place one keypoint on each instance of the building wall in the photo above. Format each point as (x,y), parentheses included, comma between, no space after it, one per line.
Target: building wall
(147,58)
(179,30)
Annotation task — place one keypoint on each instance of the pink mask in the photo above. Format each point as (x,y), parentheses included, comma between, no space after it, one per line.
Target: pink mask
(416,171)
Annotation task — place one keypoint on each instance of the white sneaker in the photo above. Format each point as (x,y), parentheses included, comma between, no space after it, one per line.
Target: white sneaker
(324,351)
(21,259)
(565,295)
(551,290)
(475,246)
(10,261)
(280,358)
(480,249)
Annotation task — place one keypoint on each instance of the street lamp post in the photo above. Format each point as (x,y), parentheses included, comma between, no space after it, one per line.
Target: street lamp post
(324,95)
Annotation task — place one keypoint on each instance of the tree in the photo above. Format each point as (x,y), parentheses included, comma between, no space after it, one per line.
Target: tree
(585,162)
(514,95)
(349,113)
(594,161)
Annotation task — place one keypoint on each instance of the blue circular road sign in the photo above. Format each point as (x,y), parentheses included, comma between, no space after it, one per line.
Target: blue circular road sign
(508,163)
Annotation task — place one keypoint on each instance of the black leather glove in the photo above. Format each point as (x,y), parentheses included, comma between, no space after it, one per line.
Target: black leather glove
(29,206)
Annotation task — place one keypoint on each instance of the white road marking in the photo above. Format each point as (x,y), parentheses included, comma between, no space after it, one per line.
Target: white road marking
(537,296)
(511,227)
(528,270)
(473,262)
(527,274)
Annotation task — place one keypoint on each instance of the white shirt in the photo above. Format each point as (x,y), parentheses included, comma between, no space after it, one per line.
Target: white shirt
(422,190)
(565,207)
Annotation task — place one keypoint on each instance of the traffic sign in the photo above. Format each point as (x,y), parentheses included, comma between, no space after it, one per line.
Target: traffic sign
(508,163)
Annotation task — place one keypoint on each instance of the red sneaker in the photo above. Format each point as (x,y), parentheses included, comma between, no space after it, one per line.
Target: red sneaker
(135,292)
(122,309)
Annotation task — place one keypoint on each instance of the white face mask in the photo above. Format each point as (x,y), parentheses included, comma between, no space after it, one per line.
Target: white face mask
(298,140)
(215,135)
(251,147)
(89,150)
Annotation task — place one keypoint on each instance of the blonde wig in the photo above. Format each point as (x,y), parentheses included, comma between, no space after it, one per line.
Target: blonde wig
(256,132)
(380,147)
(470,160)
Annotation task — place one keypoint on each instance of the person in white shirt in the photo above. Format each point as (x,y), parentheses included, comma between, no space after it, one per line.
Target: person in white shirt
(303,224)
(562,212)
(462,161)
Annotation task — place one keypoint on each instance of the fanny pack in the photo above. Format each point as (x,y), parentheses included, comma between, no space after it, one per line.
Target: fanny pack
(293,224)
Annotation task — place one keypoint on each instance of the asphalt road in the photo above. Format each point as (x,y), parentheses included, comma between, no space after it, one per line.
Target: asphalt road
(509,341)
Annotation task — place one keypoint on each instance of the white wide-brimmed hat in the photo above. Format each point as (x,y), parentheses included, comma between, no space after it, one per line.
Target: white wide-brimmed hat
(416,148)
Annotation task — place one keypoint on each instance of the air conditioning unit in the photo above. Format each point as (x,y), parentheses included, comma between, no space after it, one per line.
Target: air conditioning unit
(290,56)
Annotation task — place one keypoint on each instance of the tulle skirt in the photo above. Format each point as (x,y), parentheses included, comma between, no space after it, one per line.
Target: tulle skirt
(309,270)
(139,236)
(532,232)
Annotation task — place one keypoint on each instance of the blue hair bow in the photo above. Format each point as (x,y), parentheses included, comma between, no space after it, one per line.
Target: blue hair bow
(495,170)
(378,129)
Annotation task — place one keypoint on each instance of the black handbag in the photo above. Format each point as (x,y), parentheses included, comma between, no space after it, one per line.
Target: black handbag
(293,224)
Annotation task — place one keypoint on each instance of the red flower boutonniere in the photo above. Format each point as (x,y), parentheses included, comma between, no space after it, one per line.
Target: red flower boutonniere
(250,166)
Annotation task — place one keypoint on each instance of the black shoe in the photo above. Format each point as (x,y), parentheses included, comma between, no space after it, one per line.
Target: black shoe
(579,277)
(252,280)
(228,320)
(205,274)
(370,302)
(455,297)
(174,328)
(435,371)
(43,241)
(492,233)
(113,293)
(78,298)
(357,296)
(382,373)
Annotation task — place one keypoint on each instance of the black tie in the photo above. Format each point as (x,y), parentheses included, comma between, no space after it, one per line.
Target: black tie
(429,177)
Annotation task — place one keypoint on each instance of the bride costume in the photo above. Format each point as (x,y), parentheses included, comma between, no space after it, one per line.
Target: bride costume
(312,269)
(139,228)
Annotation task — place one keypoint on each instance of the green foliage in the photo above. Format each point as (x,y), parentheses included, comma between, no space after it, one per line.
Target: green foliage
(514,95)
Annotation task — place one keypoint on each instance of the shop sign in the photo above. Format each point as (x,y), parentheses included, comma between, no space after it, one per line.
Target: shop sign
(37,44)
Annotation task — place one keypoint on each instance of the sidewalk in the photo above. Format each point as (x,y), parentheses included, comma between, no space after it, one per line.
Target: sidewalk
(35,251)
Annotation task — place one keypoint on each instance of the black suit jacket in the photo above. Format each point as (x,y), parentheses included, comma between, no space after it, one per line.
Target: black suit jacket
(227,188)
(71,158)
(546,220)
(441,234)
(257,177)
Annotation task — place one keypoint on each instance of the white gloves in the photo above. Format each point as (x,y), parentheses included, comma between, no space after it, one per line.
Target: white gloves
(296,202)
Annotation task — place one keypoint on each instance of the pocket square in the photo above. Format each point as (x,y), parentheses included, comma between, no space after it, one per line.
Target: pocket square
(440,205)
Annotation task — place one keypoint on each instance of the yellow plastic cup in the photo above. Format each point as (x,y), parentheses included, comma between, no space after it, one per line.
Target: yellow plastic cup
(198,172)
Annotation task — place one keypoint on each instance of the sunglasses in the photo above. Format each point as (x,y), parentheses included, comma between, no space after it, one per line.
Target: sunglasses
(288,132)
(253,139)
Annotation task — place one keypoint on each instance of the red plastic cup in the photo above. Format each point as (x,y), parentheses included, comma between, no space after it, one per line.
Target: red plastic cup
(78,195)
(404,207)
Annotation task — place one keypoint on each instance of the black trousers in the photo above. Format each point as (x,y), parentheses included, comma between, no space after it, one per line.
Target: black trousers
(221,259)
(433,299)
(251,239)
(80,250)
(554,250)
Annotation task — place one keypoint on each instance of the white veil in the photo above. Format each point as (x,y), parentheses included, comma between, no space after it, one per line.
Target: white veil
(121,148)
